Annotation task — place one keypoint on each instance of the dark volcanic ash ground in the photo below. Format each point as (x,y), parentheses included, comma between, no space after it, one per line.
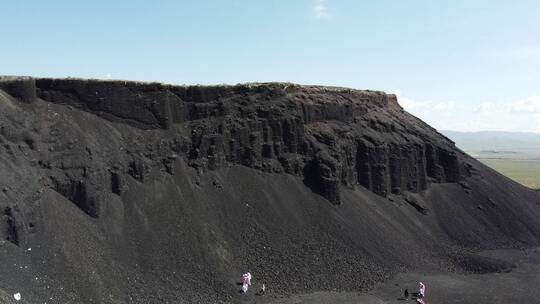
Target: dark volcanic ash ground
(124,192)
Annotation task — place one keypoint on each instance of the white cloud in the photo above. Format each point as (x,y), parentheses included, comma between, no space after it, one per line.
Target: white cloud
(407,103)
(484,107)
(410,104)
(537,120)
(444,106)
(530,105)
(520,115)
(320,10)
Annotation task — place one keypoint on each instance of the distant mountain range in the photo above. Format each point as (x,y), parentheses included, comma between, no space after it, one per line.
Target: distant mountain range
(497,144)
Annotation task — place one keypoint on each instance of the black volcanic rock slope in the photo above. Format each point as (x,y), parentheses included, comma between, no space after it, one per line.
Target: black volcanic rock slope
(327,136)
(125,192)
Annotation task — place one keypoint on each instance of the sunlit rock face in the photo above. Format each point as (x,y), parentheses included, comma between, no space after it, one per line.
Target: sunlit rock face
(126,192)
(329,136)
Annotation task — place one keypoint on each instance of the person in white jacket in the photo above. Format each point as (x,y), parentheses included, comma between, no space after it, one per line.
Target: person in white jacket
(421,290)
(249,278)
(246,281)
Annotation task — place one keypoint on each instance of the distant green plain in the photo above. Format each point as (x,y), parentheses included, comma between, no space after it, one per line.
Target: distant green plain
(525,172)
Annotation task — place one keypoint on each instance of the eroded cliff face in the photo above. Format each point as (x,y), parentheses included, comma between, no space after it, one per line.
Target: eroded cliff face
(329,136)
(144,193)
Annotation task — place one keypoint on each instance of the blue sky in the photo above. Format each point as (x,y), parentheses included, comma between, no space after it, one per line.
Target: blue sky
(462,65)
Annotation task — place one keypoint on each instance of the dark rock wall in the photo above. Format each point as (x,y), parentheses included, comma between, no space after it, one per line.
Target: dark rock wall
(104,182)
(329,136)
(22,88)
